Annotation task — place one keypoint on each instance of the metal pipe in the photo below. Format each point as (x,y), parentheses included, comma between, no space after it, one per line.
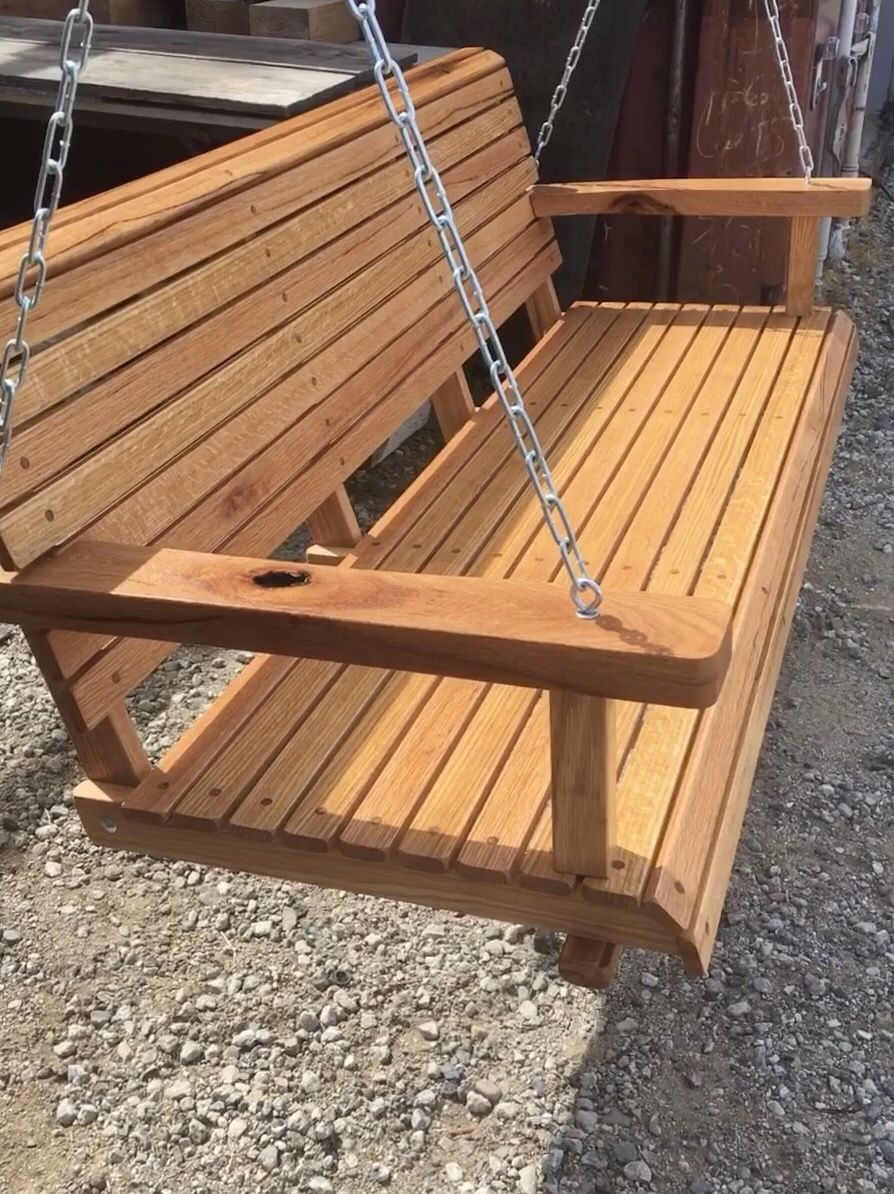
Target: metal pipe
(847,23)
(850,158)
(672,140)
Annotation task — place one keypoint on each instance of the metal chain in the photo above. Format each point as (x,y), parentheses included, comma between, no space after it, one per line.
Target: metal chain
(788,80)
(77,34)
(561,92)
(586,593)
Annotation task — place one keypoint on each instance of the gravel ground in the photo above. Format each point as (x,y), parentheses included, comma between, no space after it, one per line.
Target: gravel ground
(165,1028)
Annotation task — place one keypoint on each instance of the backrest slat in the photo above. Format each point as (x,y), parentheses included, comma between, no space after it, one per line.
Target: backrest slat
(251,331)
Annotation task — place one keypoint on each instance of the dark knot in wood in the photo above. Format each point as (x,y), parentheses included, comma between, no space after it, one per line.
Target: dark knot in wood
(280,579)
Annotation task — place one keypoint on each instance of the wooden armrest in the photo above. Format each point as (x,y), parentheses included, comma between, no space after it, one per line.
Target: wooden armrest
(706,197)
(643,647)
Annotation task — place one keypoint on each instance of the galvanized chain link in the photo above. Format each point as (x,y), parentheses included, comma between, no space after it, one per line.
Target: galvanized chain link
(561,92)
(586,593)
(791,92)
(77,34)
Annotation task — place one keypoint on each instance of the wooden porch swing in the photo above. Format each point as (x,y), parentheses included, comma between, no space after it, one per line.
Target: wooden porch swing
(224,343)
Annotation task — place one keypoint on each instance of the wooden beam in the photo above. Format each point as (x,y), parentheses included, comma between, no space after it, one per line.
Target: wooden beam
(583,755)
(218,16)
(543,309)
(327,557)
(803,251)
(112,751)
(308,20)
(643,647)
(335,523)
(452,404)
(706,197)
(589,963)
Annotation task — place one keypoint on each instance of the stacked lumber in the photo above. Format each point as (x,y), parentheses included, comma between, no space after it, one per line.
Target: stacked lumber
(309,20)
(161,14)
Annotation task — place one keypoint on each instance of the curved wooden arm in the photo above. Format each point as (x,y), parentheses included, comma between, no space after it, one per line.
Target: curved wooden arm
(643,647)
(785,197)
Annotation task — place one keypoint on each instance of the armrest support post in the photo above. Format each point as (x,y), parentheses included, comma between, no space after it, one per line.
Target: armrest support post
(584,765)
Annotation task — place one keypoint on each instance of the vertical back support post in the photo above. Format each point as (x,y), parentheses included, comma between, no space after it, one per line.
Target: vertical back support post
(452,404)
(112,752)
(584,778)
(543,309)
(803,250)
(334,524)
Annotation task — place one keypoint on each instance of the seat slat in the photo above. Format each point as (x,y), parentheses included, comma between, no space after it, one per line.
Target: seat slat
(613,442)
(640,817)
(286,732)
(721,474)
(542,380)
(724,352)
(785,427)
(424,549)
(534,374)
(705,919)
(492,459)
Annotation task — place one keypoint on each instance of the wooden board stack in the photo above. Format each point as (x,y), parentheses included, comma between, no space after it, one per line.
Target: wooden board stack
(161,14)
(310,20)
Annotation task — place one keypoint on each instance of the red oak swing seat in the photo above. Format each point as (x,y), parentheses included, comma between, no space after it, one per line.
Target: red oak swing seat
(223,344)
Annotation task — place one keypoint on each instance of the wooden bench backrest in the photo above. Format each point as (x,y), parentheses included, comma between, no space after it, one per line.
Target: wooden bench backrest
(220,345)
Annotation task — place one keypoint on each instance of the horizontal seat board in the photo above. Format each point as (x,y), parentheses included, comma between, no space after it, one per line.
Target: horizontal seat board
(780,369)
(531,375)
(726,345)
(681,857)
(548,375)
(501,449)
(711,889)
(602,433)
(102,819)
(741,380)
(259,505)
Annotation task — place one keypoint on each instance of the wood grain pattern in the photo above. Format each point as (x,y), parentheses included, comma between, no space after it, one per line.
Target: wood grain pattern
(218,16)
(706,197)
(310,20)
(234,852)
(584,759)
(674,651)
(256,510)
(334,522)
(706,914)
(803,250)
(588,963)
(92,228)
(452,404)
(543,309)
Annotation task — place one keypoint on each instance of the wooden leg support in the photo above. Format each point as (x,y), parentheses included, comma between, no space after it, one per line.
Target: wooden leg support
(591,964)
(334,529)
(543,309)
(584,777)
(453,405)
(803,250)
(112,751)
